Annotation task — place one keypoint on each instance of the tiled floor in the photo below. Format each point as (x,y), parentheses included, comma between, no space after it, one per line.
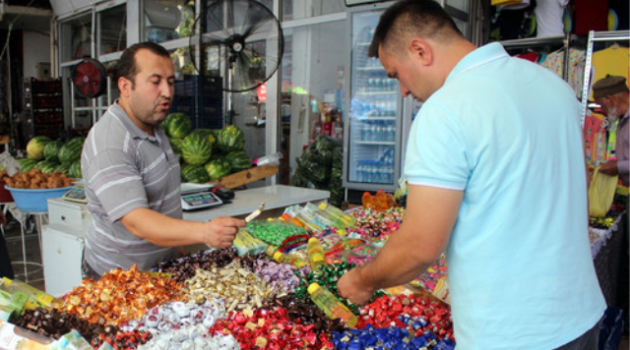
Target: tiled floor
(33,255)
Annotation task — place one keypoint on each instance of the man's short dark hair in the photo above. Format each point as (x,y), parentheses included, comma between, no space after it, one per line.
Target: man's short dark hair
(422,18)
(127,67)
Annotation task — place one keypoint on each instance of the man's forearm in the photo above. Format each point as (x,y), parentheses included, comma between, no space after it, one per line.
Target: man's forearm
(398,263)
(162,230)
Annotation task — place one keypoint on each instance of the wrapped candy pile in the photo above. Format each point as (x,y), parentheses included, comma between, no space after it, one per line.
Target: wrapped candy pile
(223,299)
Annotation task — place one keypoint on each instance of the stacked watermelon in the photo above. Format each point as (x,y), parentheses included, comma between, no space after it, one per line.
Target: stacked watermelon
(206,154)
(50,156)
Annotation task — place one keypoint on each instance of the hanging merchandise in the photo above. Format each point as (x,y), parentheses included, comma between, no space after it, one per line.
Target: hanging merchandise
(594,139)
(590,15)
(549,17)
(577,60)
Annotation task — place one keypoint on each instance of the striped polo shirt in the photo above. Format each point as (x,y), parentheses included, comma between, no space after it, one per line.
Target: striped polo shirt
(124,169)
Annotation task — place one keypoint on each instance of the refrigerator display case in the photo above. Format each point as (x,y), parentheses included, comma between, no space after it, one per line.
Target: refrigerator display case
(373,138)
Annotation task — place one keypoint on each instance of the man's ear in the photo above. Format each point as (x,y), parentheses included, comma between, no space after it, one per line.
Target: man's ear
(124,86)
(421,50)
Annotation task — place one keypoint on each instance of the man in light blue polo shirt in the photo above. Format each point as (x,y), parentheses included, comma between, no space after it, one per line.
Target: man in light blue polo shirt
(497,180)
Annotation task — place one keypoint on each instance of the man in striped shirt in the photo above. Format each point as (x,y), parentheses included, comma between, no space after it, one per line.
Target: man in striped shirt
(132,176)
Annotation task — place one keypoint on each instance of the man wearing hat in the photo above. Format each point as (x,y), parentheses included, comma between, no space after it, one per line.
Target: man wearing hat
(612,94)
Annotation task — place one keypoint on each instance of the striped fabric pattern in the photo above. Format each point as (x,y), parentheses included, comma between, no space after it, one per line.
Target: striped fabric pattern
(124,169)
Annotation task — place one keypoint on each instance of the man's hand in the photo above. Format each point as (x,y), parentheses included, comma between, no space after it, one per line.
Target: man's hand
(609,168)
(220,232)
(349,286)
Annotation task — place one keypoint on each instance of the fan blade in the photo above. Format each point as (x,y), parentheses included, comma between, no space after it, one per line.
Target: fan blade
(256,24)
(214,21)
(242,66)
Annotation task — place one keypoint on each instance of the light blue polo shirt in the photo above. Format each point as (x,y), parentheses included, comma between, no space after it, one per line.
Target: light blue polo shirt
(507,132)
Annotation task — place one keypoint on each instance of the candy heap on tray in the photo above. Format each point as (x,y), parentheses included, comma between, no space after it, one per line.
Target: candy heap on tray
(120,296)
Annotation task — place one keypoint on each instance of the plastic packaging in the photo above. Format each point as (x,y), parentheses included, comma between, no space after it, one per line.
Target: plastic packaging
(367,201)
(323,218)
(289,259)
(269,159)
(315,253)
(247,244)
(331,306)
(35,295)
(348,220)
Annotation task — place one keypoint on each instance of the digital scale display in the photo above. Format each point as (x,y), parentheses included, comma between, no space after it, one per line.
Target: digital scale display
(75,194)
(200,200)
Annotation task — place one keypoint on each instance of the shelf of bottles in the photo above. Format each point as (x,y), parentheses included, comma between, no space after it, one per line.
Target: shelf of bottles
(372,137)
(373,113)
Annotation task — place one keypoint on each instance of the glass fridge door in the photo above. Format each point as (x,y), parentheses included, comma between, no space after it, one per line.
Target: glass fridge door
(374,104)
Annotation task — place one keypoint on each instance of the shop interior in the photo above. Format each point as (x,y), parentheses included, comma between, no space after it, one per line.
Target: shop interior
(293,120)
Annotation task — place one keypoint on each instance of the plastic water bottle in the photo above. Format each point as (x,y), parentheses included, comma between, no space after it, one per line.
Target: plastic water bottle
(315,253)
(371,131)
(391,132)
(390,174)
(332,307)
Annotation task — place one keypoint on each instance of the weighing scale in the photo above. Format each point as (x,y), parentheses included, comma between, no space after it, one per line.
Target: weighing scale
(198,196)
(76,194)
(194,196)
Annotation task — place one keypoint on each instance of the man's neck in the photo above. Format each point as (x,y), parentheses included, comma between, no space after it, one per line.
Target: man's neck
(149,129)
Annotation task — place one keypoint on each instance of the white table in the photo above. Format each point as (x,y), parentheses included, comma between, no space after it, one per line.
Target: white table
(246,201)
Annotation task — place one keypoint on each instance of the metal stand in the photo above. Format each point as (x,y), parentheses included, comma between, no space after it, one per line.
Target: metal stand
(39,218)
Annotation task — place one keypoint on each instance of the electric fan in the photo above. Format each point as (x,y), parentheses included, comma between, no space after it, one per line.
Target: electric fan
(89,78)
(242,36)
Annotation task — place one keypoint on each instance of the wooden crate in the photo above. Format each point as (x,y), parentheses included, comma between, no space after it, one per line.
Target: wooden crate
(246,176)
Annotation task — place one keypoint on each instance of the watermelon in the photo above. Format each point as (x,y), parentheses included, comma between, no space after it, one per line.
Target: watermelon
(195,174)
(79,140)
(231,139)
(35,147)
(75,170)
(239,161)
(177,125)
(71,151)
(217,168)
(208,134)
(51,151)
(176,145)
(26,164)
(46,166)
(64,168)
(196,150)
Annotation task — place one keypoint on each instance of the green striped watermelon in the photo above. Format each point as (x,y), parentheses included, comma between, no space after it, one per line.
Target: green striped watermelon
(64,168)
(195,174)
(217,168)
(176,145)
(177,125)
(239,160)
(231,138)
(196,150)
(51,151)
(207,133)
(26,164)
(71,151)
(35,147)
(75,170)
(79,139)
(46,166)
